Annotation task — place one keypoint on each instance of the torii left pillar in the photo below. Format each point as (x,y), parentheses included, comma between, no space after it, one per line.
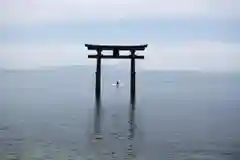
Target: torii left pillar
(98,77)
(97,122)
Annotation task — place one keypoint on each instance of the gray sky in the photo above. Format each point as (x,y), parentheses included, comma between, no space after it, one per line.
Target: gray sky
(182,34)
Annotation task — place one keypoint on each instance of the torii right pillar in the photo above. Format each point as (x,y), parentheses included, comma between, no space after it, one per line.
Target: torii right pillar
(133,80)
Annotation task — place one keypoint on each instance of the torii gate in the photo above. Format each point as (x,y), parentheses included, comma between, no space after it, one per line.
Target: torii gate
(116,55)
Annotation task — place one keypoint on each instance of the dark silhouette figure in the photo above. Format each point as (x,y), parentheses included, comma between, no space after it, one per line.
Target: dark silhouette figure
(117,84)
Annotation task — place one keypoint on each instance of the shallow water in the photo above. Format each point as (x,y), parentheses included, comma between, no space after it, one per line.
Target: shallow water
(179,115)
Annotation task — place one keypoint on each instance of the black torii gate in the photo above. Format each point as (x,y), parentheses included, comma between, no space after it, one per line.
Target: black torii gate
(116,49)
(116,55)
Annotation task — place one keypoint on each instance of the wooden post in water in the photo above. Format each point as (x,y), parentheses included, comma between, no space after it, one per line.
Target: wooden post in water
(98,77)
(133,81)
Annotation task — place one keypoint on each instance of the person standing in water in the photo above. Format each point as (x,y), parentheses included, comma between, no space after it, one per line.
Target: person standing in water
(117,84)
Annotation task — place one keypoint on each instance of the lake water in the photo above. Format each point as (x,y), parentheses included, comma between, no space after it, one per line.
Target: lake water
(179,116)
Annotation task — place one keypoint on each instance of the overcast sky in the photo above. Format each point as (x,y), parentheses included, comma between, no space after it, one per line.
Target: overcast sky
(181,34)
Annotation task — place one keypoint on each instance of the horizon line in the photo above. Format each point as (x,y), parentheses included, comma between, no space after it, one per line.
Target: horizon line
(48,68)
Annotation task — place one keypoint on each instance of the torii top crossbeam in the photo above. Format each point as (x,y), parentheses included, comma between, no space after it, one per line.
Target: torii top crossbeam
(117,47)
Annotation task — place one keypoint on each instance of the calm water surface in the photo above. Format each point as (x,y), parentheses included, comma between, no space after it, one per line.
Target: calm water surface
(179,116)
